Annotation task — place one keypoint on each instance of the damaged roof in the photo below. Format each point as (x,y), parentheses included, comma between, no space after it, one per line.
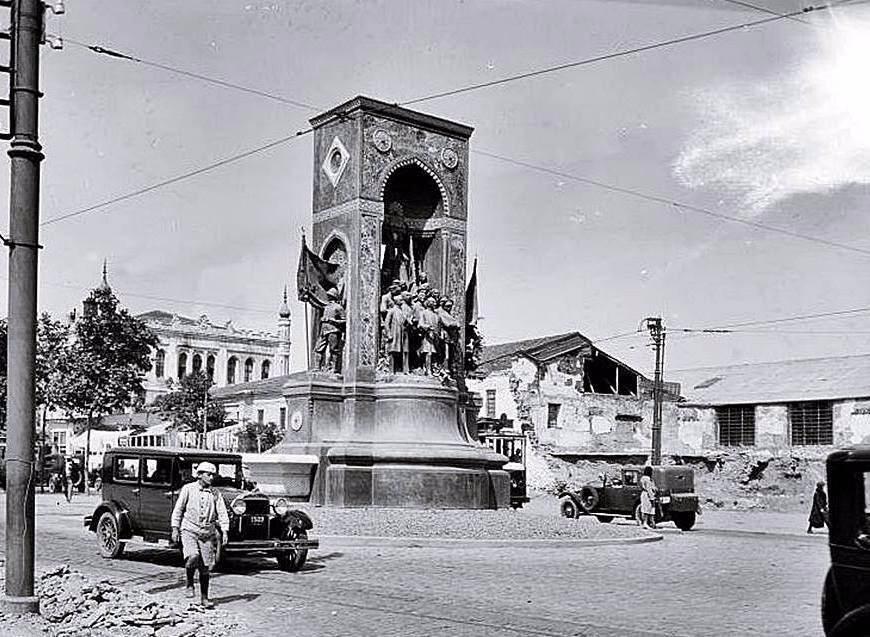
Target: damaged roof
(832,378)
(546,348)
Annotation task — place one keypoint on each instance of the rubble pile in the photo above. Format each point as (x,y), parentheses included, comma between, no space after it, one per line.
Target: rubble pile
(739,480)
(73,604)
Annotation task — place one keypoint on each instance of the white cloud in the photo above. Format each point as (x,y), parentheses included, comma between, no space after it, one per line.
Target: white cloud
(802,132)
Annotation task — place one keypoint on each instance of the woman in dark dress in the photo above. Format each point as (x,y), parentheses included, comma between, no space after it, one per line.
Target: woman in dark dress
(819,512)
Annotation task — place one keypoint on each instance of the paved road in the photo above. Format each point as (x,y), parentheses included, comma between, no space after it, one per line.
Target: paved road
(693,584)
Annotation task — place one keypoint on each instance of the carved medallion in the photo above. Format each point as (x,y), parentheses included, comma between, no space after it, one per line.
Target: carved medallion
(382,140)
(296,420)
(335,161)
(450,158)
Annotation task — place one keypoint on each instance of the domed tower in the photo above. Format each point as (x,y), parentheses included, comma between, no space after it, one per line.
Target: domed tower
(284,336)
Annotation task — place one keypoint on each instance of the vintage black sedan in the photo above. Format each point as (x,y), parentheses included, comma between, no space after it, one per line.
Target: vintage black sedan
(846,593)
(141,484)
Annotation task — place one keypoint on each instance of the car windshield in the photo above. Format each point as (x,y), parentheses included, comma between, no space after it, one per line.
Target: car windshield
(229,472)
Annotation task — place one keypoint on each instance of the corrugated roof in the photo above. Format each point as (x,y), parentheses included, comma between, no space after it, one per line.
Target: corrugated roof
(777,382)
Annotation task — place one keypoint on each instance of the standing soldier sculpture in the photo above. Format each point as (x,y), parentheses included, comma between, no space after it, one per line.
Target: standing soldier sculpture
(449,331)
(395,337)
(427,322)
(328,347)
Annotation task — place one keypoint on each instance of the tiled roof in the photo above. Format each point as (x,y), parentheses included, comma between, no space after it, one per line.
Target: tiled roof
(777,382)
(499,357)
(270,387)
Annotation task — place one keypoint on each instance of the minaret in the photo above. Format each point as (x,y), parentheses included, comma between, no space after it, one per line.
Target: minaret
(284,336)
(104,284)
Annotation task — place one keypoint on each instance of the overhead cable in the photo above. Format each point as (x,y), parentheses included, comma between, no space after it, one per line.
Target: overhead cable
(623,53)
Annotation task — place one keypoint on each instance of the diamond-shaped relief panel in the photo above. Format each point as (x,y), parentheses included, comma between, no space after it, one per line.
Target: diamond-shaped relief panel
(335,161)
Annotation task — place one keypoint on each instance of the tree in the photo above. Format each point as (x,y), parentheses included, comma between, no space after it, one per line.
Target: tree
(102,370)
(52,341)
(185,402)
(257,437)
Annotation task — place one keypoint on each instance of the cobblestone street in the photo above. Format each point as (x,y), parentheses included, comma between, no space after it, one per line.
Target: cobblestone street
(707,582)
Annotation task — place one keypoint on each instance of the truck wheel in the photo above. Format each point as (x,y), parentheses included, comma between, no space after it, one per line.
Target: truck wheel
(569,508)
(588,498)
(109,536)
(853,624)
(294,559)
(684,520)
(831,610)
(605,519)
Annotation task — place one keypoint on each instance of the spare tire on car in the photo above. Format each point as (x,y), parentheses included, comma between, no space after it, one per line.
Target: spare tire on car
(588,498)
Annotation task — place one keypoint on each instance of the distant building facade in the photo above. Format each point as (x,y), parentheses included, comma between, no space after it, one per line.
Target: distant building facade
(226,354)
(571,394)
(805,406)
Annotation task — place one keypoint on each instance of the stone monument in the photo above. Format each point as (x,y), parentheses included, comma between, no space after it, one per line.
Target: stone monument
(383,405)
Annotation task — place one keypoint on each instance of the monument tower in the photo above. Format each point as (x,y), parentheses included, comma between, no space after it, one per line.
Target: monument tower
(385,276)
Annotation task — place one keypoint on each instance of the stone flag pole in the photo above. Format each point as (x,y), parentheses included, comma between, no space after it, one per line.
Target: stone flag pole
(389,205)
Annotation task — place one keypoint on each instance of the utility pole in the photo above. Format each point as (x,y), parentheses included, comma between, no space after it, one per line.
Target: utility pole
(205,418)
(657,332)
(26,153)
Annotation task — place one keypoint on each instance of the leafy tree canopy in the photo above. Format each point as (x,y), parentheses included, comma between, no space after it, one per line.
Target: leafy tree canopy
(103,369)
(186,401)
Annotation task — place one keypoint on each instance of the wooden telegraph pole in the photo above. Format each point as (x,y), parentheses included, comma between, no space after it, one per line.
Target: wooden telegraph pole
(657,332)
(26,154)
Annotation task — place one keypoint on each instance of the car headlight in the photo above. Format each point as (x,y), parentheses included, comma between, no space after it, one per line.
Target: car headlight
(281,507)
(239,506)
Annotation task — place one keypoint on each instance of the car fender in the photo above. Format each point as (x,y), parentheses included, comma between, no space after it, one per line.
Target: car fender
(297,519)
(853,624)
(121,515)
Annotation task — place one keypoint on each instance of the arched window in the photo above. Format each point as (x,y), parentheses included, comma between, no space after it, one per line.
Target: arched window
(159,363)
(249,370)
(231,370)
(209,367)
(182,365)
(197,363)
(264,370)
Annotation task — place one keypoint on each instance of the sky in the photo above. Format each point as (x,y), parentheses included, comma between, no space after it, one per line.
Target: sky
(766,124)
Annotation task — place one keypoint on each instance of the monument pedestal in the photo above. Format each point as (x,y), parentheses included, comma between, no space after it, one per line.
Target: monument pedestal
(396,441)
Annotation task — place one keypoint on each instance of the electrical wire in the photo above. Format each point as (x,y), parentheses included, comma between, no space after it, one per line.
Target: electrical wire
(755,7)
(176,179)
(673,203)
(623,53)
(102,50)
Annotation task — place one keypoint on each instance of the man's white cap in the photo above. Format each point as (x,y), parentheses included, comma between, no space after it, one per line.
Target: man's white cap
(205,466)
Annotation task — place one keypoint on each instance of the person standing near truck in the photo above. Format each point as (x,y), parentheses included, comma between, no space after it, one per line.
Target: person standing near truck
(647,499)
(199,522)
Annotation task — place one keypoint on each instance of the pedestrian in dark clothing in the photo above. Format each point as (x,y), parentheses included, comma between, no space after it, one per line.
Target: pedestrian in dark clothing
(819,512)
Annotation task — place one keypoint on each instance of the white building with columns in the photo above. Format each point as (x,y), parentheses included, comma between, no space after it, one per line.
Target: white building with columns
(226,353)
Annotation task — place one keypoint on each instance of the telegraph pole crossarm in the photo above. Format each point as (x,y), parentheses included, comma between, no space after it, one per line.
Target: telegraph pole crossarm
(26,154)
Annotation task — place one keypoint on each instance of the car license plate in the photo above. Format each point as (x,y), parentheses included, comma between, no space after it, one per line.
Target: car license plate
(258,519)
(665,499)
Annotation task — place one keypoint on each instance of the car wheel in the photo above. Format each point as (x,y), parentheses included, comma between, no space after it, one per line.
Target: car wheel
(294,559)
(605,519)
(109,536)
(831,610)
(569,508)
(853,624)
(685,520)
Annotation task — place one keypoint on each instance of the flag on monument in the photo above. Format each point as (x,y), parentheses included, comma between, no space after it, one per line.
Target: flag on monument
(471,307)
(314,276)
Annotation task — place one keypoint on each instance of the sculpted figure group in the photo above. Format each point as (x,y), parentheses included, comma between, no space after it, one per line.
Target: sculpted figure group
(419,331)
